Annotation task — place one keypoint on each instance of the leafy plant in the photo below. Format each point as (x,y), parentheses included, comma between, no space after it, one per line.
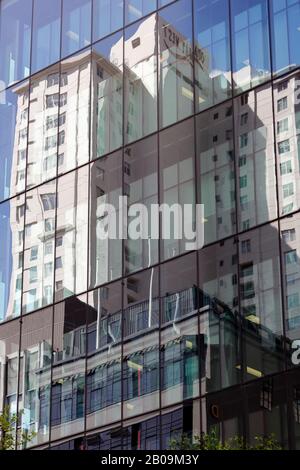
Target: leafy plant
(9,438)
(211,441)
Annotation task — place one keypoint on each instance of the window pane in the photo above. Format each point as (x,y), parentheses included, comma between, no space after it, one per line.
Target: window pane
(181,421)
(212,52)
(140,79)
(180,336)
(13,140)
(74,111)
(255,161)
(40,208)
(141,187)
(15,36)
(267,410)
(260,293)
(176,65)
(46,33)
(287,116)
(251,50)
(43,127)
(285,35)
(76,25)
(107,95)
(219,321)
(107,17)
(224,414)
(141,340)
(216,181)
(34,392)
(135,9)
(177,186)
(105,189)
(142,435)
(11,261)
(68,383)
(104,336)
(291,275)
(72,215)
(9,359)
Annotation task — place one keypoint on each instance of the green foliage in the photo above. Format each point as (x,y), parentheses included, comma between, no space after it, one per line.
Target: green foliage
(8,438)
(211,441)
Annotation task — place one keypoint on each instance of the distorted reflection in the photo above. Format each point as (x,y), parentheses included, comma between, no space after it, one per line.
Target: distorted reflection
(74,111)
(250,43)
(140,68)
(177,184)
(180,333)
(105,254)
(44,143)
(285,24)
(9,365)
(107,95)
(13,139)
(176,62)
(260,295)
(287,122)
(255,159)
(68,370)
(35,384)
(15,37)
(141,186)
(211,52)
(39,247)
(71,234)
(141,344)
(215,168)
(104,348)
(11,257)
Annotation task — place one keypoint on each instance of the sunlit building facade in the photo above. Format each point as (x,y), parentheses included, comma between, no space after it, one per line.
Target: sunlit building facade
(128,344)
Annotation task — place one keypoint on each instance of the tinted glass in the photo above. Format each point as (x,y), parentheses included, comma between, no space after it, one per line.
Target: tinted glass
(15,37)
(219,320)
(76,25)
(177,184)
(11,257)
(255,161)
(250,47)
(215,168)
(34,390)
(9,358)
(105,258)
(74,111)
(107,17)
(68,382)
(140,79)
(104,334)
(45,33)
(287,122)
(44,145)
(141,340)
(285,34)
(13,140)
(176,64)
(107,95)
(39,247)
(71,234)
(291,270)
(141,186)
(135,9)
(260,297)
(180,336)
(212,52)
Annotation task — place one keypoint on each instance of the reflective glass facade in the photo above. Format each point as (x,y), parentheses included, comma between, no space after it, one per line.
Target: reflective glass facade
(111,344)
